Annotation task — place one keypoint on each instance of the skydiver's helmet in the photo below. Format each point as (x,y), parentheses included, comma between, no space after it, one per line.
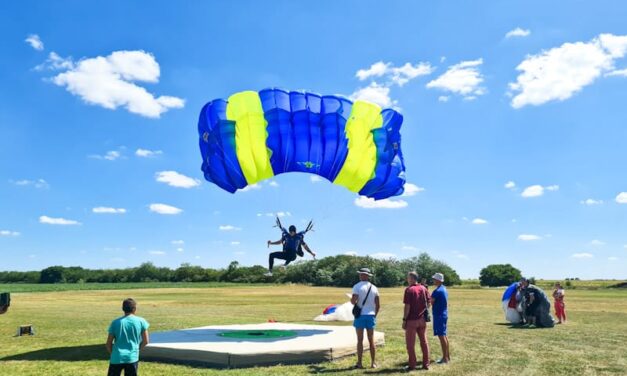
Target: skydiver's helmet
(292,229)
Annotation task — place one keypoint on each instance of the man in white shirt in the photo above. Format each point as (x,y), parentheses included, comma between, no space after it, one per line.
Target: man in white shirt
(366,297)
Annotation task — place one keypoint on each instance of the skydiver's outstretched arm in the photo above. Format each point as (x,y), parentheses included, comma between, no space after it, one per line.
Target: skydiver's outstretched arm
(312,253)
(280,241)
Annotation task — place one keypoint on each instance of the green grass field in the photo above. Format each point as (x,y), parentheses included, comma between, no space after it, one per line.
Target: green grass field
(71,329)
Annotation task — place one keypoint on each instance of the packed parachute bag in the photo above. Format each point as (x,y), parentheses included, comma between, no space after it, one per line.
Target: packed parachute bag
(5,302)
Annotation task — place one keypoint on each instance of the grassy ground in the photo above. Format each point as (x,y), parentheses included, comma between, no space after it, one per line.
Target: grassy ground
(71,328)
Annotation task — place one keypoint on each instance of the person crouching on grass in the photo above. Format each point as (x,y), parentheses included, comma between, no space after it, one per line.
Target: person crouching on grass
(416,300)
(366,297)
(127,335)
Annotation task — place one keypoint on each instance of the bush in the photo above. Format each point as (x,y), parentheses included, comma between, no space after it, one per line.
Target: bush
(499,275)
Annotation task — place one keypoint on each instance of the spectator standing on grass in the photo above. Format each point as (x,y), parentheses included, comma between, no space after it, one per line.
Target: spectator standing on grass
(365,296)
(416,300)
(127,335)
(560,307)
(439,304)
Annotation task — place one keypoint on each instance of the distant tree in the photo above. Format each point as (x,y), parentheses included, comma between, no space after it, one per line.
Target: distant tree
(499,275)
(426,267)
(53,274)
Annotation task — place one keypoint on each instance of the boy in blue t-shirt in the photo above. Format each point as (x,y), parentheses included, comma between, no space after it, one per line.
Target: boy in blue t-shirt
(439,303)
(127,335)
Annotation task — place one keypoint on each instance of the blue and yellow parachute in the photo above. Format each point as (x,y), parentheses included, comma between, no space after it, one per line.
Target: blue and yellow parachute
(252,136)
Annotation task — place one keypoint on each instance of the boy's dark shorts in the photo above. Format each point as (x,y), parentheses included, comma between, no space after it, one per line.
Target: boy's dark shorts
(130,369)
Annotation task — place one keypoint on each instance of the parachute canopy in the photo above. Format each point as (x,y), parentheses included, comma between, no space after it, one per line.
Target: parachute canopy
(253,136)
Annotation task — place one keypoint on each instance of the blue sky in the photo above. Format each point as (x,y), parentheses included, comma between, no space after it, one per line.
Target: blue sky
(526,92)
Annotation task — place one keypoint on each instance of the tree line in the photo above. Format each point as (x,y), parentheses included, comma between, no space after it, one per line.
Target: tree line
(339,271)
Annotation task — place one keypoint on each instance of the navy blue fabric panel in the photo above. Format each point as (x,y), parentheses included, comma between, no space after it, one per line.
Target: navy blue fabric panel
(277,111)
(300,123)
(335,113)
(316,147)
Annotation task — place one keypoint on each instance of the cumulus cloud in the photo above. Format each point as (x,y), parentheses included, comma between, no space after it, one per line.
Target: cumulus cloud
(463,79)
(460,255)
(164,209)
(235,243)
(396,75)
(157,253)
(34,41)
(315,178)
(174,179)
(228,228)
(591,201)
(518,32)
(37,183)
(596,243)
(108,210)
(612,258)
(9,233)
(145,153)
(375,93)
(57,221)
(383,256)
(412,190)
(510,185)
(528,237)
(252,187)
(538,190)
(582,255)
(111,155)
(177,242)
(409,248)
(479,221)
(110,81)
(621,198)
(273,183)
(370,203)
(443,98)
(561,72)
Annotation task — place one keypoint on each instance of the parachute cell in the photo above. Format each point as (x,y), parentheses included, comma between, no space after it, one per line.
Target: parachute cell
(254,136)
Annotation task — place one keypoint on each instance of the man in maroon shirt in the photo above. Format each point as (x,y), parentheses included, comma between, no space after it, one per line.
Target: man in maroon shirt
(416,305)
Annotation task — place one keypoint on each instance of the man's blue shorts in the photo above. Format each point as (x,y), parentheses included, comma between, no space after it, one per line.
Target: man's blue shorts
(365,322)
(439,325)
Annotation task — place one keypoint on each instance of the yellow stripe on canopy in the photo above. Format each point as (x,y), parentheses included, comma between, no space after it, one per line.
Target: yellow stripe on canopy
(361,159)
(244,108)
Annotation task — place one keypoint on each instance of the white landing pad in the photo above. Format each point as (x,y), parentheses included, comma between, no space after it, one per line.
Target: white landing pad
(255,344)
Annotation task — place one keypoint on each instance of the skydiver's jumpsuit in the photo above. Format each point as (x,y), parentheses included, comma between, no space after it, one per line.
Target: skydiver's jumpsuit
(291,244)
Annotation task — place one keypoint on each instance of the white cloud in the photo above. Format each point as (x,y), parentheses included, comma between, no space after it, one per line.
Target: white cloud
(165,209)
(252,187)
(518,32)
(55,62)
(350,253)
(174,179)
(374,93)
(412,190)
(559,73)
(35,42)
(621,198)
(273,184)
(538,190)
(157,253)
(583,255)
(108,210)
(596,243)
(228,228)
(111,155)
(618,72)
(591,201)
(409,248)
(510,185)
(463,79)
(177,242)
(479,221)
(145,153)
(443,98)
(383,256)
(528,237)
(235,243)
(460,255)
(57,221)
(395,75)
(370,203)
(180,249)
(109,81)
(612,258)
(9,233)
(315,178)
(38,183)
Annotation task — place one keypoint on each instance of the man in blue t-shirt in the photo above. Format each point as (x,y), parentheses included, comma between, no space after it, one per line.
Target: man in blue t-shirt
(292,242)
(439,302)
(127,335)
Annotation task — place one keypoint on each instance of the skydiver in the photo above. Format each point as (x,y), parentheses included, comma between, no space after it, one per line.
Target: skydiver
(293,242)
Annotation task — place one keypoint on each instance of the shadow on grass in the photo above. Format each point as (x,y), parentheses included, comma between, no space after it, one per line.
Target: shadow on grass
(366,370)
(65,354)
